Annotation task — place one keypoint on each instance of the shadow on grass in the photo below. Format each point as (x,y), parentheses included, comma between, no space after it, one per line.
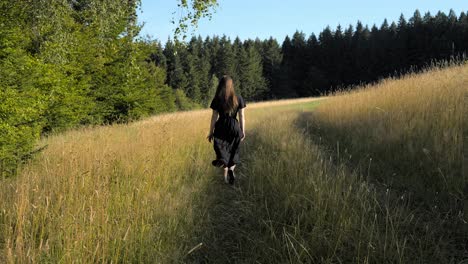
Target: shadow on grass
(415,179)
(391,164)
(223,232)
(233,227)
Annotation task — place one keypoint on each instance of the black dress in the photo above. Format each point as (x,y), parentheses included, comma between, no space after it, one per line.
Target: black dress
(227,134)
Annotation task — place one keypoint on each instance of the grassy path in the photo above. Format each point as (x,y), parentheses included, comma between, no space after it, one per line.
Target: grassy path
(232,230)
(224,226)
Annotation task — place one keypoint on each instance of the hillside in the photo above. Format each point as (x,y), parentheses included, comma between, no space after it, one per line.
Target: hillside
(370,176)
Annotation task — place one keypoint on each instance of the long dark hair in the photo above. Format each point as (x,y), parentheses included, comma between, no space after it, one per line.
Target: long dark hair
(227,95)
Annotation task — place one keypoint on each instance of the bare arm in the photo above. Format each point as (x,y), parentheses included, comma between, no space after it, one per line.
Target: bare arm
(214,117)
(242,121)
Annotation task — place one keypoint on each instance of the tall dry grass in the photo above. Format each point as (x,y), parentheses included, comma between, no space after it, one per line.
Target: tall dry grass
(406,132)
(122,193)
(406,135)
(109,194)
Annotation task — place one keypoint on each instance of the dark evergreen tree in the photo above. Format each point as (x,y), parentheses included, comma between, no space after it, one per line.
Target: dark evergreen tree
(176,75)
(225,61)
(252,83)
(238,51)
(271,59)
(285,88)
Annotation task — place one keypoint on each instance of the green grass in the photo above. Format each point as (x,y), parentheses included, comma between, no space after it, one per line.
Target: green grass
(308,106)
(303,106)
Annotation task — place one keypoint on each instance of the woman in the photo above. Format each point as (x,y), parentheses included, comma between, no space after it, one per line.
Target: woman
(225,130)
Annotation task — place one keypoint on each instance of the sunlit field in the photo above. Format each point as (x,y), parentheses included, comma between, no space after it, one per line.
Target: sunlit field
(410,130)
(370,176)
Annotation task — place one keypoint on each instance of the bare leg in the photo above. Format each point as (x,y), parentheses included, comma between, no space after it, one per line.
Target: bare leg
(231,176)
(226,174)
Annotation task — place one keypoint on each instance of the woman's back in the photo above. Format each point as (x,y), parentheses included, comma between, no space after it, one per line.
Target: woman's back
(217,105)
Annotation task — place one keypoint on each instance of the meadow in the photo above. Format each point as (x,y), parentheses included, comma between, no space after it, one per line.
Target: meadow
(368,176)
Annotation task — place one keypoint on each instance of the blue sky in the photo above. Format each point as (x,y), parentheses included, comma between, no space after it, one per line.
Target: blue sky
(278,18)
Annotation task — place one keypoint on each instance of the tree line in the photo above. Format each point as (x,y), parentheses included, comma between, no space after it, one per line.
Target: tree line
(69,63)
(314,65)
